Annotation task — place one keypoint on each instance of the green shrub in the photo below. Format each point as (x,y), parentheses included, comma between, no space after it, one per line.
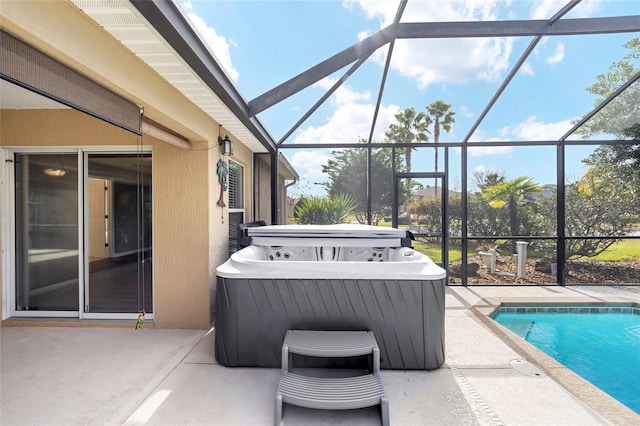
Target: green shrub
(324,210)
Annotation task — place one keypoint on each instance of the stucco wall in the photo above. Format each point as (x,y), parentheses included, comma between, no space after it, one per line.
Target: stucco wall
(181,225)
(180,205)
(190,229)
(85,47)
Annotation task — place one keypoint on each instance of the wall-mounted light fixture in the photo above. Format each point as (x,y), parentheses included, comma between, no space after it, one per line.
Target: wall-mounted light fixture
(226,145)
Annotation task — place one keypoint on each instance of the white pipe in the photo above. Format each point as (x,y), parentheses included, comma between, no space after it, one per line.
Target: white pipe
(164,136)
(521,249)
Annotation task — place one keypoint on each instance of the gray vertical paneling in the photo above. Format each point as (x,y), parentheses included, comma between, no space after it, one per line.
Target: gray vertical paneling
(407,317)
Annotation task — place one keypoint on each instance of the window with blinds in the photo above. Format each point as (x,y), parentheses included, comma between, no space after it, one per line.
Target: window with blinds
(236,185)
(236,203)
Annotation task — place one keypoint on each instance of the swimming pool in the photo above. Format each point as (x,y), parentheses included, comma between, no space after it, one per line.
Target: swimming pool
(601,344)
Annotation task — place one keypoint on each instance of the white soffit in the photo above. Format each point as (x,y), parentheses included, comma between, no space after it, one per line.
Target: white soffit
(120,19)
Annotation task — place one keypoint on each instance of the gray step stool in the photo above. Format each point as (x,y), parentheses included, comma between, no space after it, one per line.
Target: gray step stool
(330,393)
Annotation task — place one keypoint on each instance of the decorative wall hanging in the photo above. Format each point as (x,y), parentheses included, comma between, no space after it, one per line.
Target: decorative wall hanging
(222,171)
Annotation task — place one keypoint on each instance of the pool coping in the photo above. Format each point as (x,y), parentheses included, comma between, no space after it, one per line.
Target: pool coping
(600,402)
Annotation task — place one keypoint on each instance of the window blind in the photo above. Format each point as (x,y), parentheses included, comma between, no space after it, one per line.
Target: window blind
(236,182)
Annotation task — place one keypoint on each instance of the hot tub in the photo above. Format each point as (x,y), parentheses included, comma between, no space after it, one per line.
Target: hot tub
(338,277)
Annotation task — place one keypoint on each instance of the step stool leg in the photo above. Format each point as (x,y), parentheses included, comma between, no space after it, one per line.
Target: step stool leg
(286,359)
(277,421)
(384,411)
(376,360)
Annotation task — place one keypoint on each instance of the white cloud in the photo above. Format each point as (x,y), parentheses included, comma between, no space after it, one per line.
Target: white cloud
(479,169)
(466,112)
(384,11)
(445,60)
(451,60)
(530,130)
(558,56)
(534,130)
(588,8)
(545,9)
(218,45)
(343,94)
(527,69)
(350,120)
(481,151)
(348,123)
(482,169)
(310,164)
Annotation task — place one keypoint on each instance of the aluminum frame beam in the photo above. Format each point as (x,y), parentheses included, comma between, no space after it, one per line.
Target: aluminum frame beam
(520,28)
(517,67)
(325,68)
(601,105)
(401,7)
(429,30)
(324,97)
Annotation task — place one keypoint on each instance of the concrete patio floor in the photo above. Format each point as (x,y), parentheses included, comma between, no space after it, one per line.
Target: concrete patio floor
(117,375)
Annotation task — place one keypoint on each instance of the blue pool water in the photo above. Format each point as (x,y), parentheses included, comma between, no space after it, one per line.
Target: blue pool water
(601,344)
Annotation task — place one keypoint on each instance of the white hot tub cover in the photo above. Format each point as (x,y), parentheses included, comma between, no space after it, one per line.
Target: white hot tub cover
(329,251)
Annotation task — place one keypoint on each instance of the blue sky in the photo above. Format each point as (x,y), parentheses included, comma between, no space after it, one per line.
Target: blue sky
(261,44)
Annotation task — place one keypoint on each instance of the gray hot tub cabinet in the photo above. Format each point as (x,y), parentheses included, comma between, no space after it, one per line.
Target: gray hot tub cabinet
(256,304)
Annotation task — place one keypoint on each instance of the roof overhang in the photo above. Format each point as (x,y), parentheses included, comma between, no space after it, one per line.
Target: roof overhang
(286,169)
(161,35)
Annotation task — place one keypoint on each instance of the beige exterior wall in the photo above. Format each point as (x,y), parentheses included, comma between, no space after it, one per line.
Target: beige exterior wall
(181,238)
(189,239)
(190,230)
(180,212)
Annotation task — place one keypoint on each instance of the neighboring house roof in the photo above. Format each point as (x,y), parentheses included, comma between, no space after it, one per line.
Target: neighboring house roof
(161,35)
(547,191)
(429,192)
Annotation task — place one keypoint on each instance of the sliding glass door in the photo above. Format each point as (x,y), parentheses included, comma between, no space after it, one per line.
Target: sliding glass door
(118,231)
(46,232)
(82,239)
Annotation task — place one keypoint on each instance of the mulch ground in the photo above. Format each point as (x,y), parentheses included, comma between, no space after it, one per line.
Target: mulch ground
(577,272)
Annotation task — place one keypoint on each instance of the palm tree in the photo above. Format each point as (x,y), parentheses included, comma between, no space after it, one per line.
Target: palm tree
(511,193)
(440,114)
(411,127)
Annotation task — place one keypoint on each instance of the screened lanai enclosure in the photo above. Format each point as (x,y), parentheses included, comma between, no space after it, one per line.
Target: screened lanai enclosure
(529,204)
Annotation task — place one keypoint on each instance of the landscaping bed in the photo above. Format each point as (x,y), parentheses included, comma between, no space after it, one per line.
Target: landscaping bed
(539,272)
